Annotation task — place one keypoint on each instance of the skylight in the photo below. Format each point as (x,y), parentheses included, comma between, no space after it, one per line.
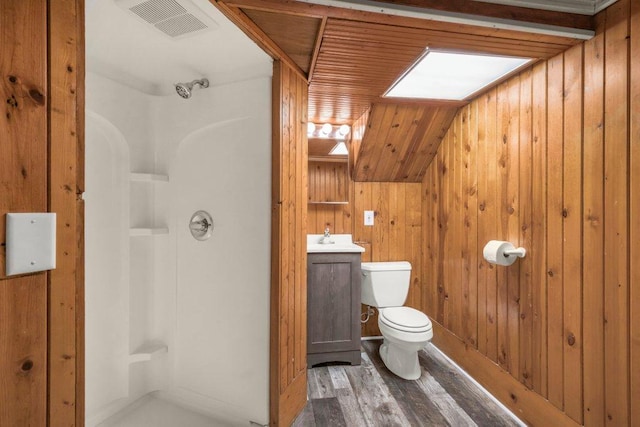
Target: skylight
(453,76)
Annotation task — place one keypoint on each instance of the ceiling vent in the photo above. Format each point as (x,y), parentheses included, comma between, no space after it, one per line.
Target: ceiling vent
(174,18)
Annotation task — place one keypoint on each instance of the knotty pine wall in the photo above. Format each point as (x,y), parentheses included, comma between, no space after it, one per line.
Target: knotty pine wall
(42,314)
(549,160)
(288,358)
(328,181)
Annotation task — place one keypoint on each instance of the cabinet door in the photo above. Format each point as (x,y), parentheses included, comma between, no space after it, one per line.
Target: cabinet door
(333,298)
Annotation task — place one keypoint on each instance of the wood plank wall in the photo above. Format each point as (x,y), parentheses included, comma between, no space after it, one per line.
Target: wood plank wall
(288,359)
(66,185)
(23,184)
(328,181)
(401,139)
(41,314)
(548,160)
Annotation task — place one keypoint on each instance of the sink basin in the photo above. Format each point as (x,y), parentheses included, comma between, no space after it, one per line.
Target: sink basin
(338,243)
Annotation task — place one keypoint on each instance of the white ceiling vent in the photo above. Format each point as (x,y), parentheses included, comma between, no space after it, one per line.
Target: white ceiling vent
(175,18)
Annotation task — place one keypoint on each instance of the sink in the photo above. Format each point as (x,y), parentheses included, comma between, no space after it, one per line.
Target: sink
(338,243)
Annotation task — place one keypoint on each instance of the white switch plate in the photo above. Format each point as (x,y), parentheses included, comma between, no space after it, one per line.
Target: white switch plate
(368,217)
(31,242)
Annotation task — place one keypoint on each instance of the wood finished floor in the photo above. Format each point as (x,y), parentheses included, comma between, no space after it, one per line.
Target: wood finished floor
(370,395)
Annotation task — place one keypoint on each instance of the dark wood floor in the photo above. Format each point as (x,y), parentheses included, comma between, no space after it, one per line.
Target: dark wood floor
(370,395)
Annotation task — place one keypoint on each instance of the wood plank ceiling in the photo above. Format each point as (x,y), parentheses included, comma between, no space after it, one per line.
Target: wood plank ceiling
(351,57)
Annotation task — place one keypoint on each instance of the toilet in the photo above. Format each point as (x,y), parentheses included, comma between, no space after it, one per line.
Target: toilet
(405,330)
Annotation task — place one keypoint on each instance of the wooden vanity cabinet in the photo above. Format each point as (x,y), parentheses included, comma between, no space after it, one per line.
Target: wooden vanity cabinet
(333,308)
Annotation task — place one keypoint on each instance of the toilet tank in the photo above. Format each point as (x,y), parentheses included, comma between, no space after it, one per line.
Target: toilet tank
(385,284)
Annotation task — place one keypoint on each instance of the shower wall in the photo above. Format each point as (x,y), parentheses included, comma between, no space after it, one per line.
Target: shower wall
(188,319)
(218,154)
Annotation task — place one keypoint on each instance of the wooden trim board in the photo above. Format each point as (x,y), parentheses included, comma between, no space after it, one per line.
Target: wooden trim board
(526,404)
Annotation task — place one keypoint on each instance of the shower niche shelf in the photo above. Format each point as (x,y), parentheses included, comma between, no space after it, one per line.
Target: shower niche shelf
(151,231)
(148,177)
(148,352)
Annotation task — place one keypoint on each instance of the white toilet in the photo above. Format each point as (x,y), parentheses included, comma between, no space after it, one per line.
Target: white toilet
(406,331)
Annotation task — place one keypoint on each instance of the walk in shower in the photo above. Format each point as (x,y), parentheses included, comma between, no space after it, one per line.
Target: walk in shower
(171,318)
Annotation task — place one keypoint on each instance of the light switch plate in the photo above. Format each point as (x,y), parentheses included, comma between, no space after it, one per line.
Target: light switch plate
(31,242)
(368,218)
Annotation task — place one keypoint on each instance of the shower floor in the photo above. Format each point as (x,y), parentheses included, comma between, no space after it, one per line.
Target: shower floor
(152,411)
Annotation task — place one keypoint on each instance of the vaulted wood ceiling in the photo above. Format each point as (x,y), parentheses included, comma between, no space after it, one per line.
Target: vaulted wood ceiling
(351,57)
(411,135)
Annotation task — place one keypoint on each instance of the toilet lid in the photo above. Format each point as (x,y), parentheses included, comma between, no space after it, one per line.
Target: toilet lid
(405,319)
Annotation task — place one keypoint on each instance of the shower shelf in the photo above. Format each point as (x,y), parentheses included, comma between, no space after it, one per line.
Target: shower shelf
(148,177)
(148,352)
(139,232)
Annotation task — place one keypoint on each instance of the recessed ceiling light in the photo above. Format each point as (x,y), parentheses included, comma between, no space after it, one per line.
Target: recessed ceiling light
(340,149)
(453,76)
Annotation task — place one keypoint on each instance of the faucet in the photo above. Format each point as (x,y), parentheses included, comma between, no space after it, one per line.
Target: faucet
(327,236)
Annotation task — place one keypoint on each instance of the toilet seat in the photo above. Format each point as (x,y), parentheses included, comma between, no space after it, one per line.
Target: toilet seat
(405,319)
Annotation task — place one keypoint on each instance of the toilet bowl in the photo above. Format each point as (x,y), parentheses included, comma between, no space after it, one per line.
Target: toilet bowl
(405,330)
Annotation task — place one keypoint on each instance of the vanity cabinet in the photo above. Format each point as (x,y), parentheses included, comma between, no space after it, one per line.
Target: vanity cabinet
(333,308)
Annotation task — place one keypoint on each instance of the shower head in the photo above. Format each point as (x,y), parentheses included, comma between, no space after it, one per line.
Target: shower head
(184,89)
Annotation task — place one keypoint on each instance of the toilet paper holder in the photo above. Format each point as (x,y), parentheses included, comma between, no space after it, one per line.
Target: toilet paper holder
(519,252)
(501,252)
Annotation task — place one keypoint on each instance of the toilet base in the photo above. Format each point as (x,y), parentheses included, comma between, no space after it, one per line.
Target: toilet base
(401,361)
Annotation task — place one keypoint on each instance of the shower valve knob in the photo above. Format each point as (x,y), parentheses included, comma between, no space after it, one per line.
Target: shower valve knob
(201,225)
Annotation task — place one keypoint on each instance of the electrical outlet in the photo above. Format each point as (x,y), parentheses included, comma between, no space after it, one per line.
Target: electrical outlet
(368,217)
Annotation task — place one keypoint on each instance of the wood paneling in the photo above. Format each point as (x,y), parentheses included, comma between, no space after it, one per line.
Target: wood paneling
(400,140)
(296,35)
(593,231)
(634,207)
(358,129)
(538,371)
(362,53)
(288,247)
(66,185)
(495,10)
(616,214)
(23,188)
(256,34)
(337,218)
(328,182)
(41,342)
(556,158)
(572,232)
(321,147)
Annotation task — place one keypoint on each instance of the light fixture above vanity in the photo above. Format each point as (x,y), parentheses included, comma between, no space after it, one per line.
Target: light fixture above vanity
(327,130)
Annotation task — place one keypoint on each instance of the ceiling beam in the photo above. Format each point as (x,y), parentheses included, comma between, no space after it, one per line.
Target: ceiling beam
(420,17)
(316,49)
(399,8)
(492,10)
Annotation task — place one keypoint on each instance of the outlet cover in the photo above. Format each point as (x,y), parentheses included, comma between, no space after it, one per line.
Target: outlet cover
(368,218)
(31,242)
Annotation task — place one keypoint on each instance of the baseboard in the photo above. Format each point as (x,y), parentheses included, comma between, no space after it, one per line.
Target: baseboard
(526,404)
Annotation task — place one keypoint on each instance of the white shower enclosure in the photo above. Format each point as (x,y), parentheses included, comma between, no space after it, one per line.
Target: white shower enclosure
(167,316)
